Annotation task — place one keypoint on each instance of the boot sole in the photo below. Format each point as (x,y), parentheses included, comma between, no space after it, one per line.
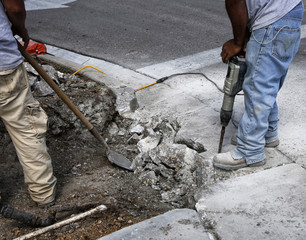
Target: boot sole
(238,166)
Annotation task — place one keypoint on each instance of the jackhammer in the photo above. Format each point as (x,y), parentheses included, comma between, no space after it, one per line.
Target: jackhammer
(232,86)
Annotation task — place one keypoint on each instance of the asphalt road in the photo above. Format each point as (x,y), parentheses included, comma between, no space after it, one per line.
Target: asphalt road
(131,33)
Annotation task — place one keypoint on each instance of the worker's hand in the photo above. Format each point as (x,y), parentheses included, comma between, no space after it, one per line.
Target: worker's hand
(23,33)
(229,50)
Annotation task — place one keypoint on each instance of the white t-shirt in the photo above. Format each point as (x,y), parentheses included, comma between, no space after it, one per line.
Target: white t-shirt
(10,57)
(262,13)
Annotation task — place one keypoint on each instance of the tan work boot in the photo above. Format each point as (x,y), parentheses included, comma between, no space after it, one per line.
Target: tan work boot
(227,162)
(272,144)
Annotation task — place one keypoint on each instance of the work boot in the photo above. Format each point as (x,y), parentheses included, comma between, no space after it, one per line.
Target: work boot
(272,144)
(227,162)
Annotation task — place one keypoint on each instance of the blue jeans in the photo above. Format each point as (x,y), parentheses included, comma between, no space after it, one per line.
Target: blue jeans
(270,51)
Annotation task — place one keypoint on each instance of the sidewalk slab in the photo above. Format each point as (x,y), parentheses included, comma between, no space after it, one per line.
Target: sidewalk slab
(178,224)
(266,205)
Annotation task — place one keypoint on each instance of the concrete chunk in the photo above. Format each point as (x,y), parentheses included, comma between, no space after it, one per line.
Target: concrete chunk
(148,143)
(178,224)
(126,100)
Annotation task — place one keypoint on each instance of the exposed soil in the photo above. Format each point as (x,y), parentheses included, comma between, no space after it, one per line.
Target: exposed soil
(84,177)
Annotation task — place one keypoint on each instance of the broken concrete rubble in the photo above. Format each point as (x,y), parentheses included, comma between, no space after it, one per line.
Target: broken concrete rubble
(53,74)
(173,169)
(98,108)
(134,139)
(148,143)
(161,159)
(169,168)
(113,129)
(41,88)
(162,163)
(30,69)
(95,101)
(190,143)
(137,129)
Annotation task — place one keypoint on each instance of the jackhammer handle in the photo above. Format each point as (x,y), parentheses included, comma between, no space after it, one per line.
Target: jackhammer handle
(54,86)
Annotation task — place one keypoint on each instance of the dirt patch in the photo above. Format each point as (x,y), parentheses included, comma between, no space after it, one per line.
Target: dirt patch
(84,174)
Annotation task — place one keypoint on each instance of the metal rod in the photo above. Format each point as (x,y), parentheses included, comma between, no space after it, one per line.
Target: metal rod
(65,222)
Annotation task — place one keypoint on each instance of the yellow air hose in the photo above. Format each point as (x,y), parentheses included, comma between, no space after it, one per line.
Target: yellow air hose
(161,79)
(90,67)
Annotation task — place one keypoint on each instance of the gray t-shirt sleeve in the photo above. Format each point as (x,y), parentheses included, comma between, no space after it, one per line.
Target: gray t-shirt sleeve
(262,13)
(10,57)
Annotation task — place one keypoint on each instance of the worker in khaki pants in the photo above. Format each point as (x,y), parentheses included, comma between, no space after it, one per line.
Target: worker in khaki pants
(21,114)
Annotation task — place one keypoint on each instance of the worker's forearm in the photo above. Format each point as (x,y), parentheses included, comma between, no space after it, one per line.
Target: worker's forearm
(237,12)
(16,13)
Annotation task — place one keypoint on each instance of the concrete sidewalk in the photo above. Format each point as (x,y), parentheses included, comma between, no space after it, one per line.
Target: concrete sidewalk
(267,202)
(175,224)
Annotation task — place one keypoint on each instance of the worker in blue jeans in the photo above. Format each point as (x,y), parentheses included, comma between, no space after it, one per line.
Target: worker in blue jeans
(269,33)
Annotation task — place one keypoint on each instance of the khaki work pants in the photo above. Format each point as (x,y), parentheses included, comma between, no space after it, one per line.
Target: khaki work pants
(26,122)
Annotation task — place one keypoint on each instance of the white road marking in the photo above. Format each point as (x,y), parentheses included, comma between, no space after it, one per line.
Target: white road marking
(46,4)
(188,63)
(183,64)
